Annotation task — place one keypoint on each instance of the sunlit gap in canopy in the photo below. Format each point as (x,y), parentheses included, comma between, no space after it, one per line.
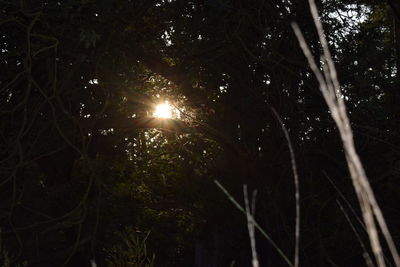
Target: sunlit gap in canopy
(165,110)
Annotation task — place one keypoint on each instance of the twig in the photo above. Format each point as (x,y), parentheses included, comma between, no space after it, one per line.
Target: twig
(239,207)
(250,223)
(366,255)
(296,185)
(330,89)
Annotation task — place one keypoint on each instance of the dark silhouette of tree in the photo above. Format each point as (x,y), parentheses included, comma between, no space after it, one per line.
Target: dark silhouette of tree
(84,164)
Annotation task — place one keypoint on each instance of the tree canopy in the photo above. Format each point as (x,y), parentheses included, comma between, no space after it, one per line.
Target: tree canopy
(88,174)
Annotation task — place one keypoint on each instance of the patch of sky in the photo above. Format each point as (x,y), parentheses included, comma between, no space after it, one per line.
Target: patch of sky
(167,36)
(350,17)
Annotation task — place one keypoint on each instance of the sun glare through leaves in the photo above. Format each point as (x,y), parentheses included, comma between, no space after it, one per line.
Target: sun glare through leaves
(163,110)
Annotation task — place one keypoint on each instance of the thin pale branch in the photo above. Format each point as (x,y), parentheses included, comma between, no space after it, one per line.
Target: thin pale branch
(330,89)
(296,185)
(367,257)
(250,224)
(239,207)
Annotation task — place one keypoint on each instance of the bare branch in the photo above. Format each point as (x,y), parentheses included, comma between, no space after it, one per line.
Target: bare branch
(250,224)
(330,89)
(296,185)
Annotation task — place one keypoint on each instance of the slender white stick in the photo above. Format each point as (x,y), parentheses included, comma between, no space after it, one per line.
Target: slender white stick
(330,89)
(250,224)
(296,185)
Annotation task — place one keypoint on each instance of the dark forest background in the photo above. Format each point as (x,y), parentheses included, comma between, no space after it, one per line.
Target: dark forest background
(87,174)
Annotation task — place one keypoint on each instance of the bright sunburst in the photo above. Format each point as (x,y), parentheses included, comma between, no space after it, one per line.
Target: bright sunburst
(163,110)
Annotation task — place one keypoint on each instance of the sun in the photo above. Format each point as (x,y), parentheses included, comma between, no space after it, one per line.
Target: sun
(163,110)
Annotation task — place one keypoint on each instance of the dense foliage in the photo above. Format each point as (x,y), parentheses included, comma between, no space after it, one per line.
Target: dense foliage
(86,173)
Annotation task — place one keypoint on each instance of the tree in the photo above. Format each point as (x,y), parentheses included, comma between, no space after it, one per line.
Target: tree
(82,158)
